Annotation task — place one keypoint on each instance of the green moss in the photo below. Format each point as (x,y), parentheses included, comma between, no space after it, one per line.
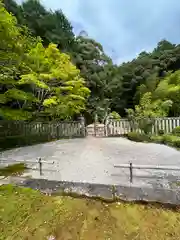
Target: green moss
(28,214)
(11,170)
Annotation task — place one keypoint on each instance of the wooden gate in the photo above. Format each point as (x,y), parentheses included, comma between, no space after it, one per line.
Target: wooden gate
(96,130)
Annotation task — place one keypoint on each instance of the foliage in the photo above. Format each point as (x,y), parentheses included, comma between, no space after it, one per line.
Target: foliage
(114,115)
(169,88)
(167,139)
(171,140)
(50,26)
(55,82)
(14,45)
(100,75)
(157,138)
(12,7)
(160,132)
(36,81)
(113,88)
(143,74)
(24,140)
(138,137)
(176,131)
(147,110)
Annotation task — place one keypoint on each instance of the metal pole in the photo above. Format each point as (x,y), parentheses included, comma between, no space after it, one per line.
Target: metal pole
(131,172)
(40,166)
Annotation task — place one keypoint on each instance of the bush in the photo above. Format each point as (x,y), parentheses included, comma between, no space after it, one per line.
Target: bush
(19,141)
(157,139)
(176,142)
(138,137)
(172,140)
(114,115)
(176,131)
(160,132)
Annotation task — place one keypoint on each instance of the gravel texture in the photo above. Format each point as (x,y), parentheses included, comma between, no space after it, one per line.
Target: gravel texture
(92,160)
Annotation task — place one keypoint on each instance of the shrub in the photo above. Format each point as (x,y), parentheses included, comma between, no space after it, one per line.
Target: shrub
(160,132)
(167,139)
(138,137)
(157,139)
(114,115)
(18,141)
(176,131)
(172,140)
(176,142)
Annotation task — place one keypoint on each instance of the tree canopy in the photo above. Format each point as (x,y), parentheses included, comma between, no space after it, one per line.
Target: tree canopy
(33,70)
(36,81)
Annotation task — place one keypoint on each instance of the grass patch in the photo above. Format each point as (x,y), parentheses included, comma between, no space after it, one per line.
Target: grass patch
(28,214)
(13,170)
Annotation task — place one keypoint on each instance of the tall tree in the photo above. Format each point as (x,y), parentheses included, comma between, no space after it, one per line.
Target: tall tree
(169,89)
(36,81)
(50,26)
(12,7)
(55,82)
(97,69)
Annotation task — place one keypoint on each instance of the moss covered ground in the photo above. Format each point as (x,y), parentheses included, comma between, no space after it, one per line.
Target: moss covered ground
(28,214)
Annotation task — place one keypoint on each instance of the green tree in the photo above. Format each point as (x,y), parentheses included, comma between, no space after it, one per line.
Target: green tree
(144,114)
(12,7)
(14,46)
(36,81)
(48,25)
(169,89)
(113,88)
(97,69)
(55,82)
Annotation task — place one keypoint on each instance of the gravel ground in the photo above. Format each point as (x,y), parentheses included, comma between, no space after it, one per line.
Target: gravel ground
(92,160)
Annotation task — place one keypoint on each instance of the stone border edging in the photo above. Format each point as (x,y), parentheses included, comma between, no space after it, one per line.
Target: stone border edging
(103,191)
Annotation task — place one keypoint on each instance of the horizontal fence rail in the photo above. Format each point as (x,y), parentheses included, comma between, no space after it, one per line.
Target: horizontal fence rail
(131,166)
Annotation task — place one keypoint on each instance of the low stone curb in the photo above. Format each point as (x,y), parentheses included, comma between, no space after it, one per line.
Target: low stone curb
(103,191)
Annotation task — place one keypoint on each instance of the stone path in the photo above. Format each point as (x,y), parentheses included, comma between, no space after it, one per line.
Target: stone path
(92,160)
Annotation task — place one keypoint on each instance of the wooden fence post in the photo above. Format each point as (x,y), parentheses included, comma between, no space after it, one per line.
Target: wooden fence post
(106,122)
(95,124)
(83,127)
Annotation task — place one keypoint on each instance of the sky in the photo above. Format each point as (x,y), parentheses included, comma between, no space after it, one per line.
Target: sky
(123,27)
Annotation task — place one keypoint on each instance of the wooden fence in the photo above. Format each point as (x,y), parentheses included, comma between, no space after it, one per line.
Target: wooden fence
(123,126)
(20,133)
